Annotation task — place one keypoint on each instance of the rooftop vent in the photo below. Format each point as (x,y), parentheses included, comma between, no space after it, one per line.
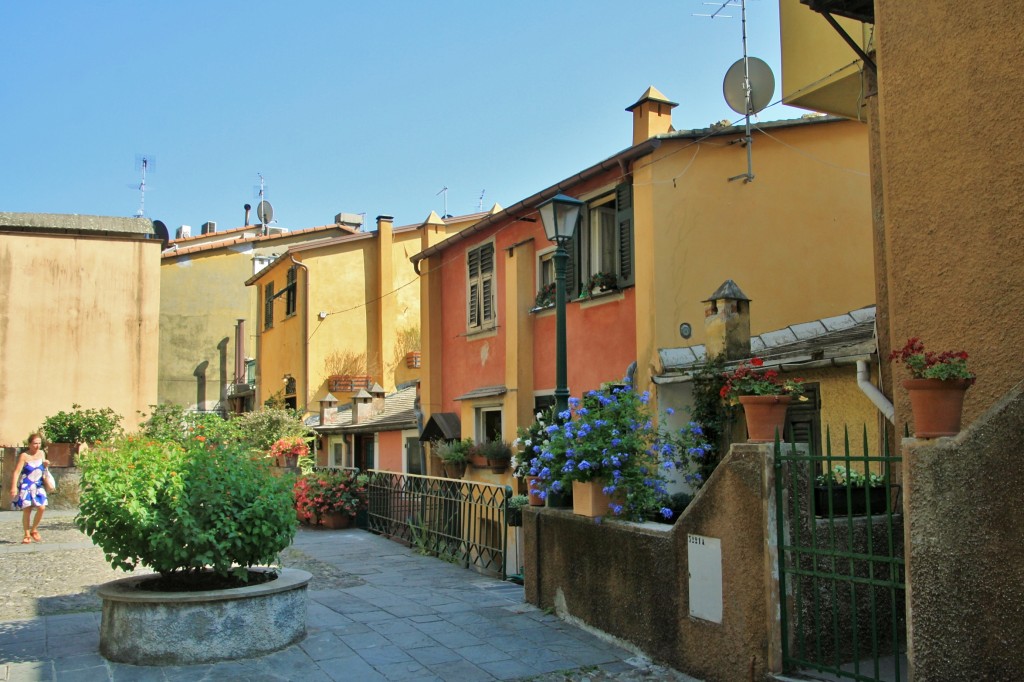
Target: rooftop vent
(184,232)
(354,220)
(208,227)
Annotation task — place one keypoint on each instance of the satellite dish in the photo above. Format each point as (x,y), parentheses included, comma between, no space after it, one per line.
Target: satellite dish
(265,211)
(160,230)
(762,86)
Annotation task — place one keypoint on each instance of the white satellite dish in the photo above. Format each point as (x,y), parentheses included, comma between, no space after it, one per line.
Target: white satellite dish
(265,212)
(762,86)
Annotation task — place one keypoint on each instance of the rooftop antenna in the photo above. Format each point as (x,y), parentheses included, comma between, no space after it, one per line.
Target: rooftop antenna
(264,211)
(749,83)
(480,203)
(143,163)
(444,191)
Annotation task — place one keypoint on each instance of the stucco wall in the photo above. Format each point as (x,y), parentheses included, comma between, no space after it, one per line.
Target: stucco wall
(632,581)
(78,324)
(965,560)
(950,130)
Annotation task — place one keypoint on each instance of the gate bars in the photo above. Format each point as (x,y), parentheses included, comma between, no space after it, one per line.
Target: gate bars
(841,566)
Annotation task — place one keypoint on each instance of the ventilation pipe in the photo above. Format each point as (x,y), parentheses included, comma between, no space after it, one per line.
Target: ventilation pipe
(873,394)
(247,208)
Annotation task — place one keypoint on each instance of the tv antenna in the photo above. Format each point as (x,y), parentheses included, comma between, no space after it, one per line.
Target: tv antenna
(748,85)
(444,191)
(480,203)
(264,211)
(143,163)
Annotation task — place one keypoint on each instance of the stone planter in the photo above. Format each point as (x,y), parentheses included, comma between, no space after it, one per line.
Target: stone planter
(62,454)
(182,628)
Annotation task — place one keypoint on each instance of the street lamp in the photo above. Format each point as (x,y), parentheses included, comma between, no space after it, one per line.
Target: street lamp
(560,214)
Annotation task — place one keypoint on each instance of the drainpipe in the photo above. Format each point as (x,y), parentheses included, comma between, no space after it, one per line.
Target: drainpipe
(631,373)
(873,394)
(305,334)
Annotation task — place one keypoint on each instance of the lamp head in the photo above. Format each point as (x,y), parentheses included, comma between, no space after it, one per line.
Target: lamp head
(560,214)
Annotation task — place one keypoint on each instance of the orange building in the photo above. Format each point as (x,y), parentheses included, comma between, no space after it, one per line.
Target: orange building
(665,223)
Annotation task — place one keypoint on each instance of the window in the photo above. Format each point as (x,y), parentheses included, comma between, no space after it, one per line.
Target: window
(268,305)
(545,269)
(480,291)
(604,241)
(488,424)
(290,297)
(289,393)
(414,456)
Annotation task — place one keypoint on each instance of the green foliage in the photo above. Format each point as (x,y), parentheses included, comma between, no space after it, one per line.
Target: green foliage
(259,430)
(840,476)
(331,490)
(518,501)
(453,451)
(711,413)
(82,426)
(751,379)
(529,441)
(492,450)
(175,423)
(175,507)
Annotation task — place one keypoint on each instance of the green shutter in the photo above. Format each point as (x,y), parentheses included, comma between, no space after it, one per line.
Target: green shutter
(572,276)
(624,224)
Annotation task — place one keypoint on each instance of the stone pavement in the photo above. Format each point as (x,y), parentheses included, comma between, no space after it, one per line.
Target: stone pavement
(377,611)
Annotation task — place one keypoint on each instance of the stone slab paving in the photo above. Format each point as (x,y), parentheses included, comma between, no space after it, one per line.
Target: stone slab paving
(377,611)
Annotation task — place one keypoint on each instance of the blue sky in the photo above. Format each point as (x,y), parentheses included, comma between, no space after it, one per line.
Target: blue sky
(343,106)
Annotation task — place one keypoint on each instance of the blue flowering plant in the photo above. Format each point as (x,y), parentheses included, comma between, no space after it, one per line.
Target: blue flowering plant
(695,451)
(609,436)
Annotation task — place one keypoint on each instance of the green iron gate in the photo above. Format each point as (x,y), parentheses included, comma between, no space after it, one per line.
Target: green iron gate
(841,568)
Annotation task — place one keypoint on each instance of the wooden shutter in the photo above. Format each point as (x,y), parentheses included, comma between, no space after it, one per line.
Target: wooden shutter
(572,273)
(473,297)
(803,418)
(624,224)
(487,283)
(268,305)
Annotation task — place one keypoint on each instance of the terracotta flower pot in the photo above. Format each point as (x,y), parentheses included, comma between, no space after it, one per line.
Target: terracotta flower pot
(453,469)
(937,405)
(532,492)
(764,414)
(589,499)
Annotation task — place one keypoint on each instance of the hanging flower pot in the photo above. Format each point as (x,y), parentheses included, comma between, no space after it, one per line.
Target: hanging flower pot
(937,405)
(765,414)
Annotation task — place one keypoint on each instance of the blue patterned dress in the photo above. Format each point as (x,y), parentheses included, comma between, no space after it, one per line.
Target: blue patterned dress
(31,491)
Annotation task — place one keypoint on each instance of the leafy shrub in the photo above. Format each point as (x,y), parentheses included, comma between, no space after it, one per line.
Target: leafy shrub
(182,508)
(175,423)
(331,491)
(452,452)
(81,426)
(259,430)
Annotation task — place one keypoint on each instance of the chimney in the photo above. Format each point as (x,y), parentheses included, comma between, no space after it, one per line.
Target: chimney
(652,115)
(328,404)
(727,322)
(247,208)
(377,404)
(361,406)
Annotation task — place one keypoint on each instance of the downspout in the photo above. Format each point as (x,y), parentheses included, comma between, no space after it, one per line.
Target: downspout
(631,373)
(873,394)
(305,334)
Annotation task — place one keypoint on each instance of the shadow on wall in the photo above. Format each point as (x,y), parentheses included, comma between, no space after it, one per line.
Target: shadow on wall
(200,374)
(222,355)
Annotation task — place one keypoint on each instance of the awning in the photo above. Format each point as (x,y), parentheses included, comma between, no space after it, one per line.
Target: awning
(442,426)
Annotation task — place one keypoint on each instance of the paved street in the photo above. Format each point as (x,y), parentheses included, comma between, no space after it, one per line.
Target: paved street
(377,611)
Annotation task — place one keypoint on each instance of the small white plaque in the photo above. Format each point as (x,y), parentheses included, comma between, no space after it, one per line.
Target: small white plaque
(704,559)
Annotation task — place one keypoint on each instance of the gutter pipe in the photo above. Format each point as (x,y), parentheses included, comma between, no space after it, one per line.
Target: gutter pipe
(305,333)
(874,395)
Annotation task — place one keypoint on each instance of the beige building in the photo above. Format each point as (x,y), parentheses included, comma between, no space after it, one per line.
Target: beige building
(207,314)
(78,318)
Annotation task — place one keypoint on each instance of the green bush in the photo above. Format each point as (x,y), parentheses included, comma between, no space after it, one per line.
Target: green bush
(171,422)
(81,426)
(259,430)
(182,508)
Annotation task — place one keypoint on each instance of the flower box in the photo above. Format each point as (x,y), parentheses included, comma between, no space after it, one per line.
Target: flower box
(858,505)
(413,359)
(348,383)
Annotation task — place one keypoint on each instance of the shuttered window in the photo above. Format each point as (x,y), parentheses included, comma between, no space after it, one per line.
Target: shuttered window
(480,291)
(268,305)
(606,242)
(290,296)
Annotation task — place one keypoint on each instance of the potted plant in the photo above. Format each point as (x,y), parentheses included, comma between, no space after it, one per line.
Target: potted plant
(286,451)
(602,281)
(514,509)
(607,450)
(936,388)
(331,497)
(209,519)
(841,492)
(495,454)
(454,455)
(764,396)
(545,296)
(65,432)
(529,441)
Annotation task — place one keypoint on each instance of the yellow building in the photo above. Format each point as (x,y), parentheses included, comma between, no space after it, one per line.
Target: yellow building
(339,315)
(207,315)
(78,318)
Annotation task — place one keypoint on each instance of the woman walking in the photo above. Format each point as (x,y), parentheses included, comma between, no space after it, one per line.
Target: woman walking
(28,489)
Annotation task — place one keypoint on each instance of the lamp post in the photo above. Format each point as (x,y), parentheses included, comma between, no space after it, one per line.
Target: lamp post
(560,214)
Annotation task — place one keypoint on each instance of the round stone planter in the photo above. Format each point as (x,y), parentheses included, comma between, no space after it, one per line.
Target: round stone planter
(180,628)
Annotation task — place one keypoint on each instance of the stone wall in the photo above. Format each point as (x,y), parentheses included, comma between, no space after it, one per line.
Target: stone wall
(631,581)
(965,560)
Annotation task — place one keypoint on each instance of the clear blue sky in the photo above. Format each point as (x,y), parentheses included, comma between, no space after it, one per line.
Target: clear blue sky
(363,107)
